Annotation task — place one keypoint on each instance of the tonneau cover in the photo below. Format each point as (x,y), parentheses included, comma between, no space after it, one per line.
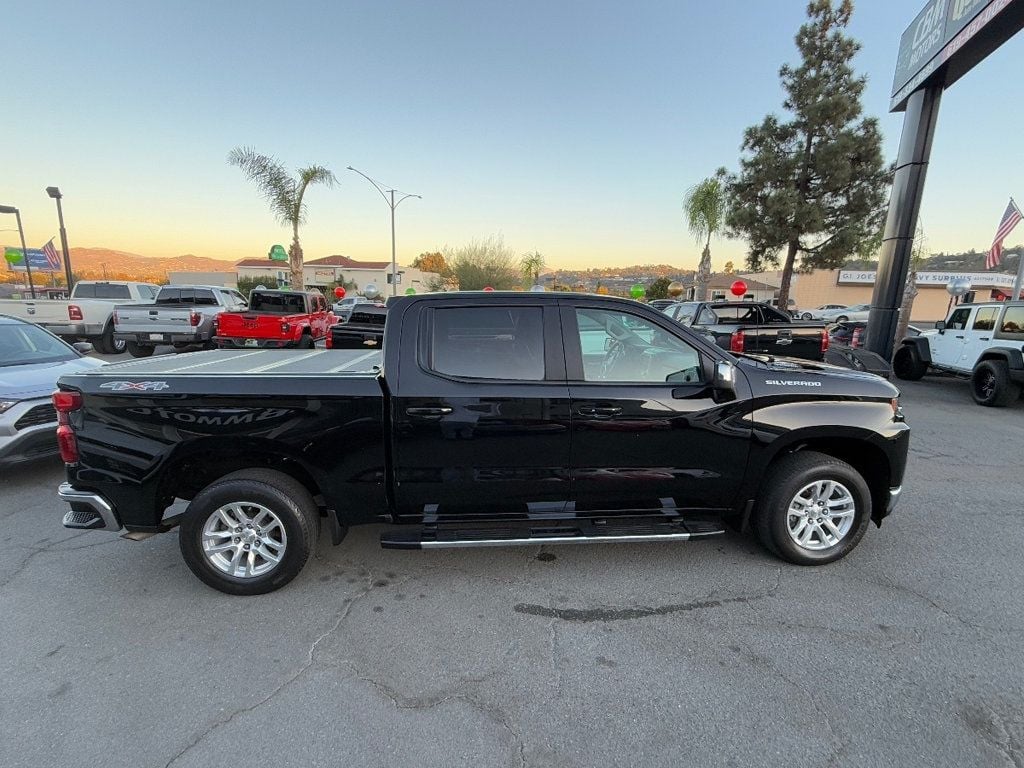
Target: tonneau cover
(254,362)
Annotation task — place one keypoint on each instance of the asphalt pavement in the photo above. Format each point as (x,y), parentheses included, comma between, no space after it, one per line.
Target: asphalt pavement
(713,653)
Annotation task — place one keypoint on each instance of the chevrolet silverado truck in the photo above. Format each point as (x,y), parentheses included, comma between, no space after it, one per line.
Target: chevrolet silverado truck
(182,316)
(982,342)
(752,328)
(88,315)
(275,320)
(364,328)
(488,419)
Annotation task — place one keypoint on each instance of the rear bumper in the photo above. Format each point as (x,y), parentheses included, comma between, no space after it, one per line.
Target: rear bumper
(146,339)
(80,330)
(88,510)
(230,342)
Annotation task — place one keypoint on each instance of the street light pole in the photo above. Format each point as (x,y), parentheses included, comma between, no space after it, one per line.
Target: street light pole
(54,192)
(389,198)
(24,248)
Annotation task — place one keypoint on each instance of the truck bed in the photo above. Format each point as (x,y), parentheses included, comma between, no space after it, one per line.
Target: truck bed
(256,362)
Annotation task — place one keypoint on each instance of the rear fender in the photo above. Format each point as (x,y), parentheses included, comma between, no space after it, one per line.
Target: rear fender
(1012,357)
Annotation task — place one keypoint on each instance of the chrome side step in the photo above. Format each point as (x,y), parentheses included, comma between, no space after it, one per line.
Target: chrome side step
(553,540)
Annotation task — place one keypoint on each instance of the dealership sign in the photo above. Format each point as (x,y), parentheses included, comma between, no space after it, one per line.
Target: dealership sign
(939,279)
(935,36)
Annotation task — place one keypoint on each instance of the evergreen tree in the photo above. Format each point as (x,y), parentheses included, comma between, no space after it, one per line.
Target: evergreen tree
(812,184)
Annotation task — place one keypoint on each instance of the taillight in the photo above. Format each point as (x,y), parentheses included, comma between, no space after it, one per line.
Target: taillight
(285,327)
(855,340)
(330,339)
(113,316)
(64,403)
(824,342)
(736,341)
(194,318)
(74,312)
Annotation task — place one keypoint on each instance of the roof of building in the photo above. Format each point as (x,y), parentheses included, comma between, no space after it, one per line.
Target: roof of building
(262,263)
(345,261)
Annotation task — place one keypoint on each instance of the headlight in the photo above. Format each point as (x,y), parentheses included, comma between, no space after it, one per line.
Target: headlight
(6,405)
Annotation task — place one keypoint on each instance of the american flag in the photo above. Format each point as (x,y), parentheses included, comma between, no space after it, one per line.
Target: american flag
(52,259)
(1007,223)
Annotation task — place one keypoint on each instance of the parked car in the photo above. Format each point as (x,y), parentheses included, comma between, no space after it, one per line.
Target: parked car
(364,330)
(815,314)
(182,316)
(846,333)
(343,307)
(980,341)
(790,309)
(500,419)
(31,361)
(275,319)
(853,312)
(88,315)
(751,327)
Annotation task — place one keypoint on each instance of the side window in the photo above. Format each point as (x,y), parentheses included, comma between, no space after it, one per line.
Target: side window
(85,290)
(958,320)
(1013,321)
(624,348)
(205,297)
(488,342)
(145,292)
(985,320)
(168,296)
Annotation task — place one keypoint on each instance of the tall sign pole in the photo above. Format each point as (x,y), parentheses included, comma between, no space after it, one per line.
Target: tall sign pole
(944,42)
(24,255)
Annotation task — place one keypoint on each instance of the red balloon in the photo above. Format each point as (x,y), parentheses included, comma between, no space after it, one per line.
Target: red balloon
(739,288)
(488,289)
(339,292)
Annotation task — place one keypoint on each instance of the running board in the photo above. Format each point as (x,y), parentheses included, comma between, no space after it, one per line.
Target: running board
(435,538)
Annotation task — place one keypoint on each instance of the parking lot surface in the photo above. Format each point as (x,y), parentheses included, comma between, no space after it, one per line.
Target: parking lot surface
(907,653)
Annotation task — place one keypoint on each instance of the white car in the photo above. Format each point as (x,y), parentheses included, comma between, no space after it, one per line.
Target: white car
(815,314)
(854,312)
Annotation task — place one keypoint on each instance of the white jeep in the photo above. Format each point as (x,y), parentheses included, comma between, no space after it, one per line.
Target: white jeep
(982,341)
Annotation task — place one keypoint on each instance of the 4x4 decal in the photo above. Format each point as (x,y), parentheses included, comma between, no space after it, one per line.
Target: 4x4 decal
(135,386)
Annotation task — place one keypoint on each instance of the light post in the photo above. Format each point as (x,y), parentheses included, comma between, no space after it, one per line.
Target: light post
(389,198)
(24,248)
(54,192)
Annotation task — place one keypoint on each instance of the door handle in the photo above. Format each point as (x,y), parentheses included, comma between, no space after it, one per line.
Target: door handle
(958,337)
(599,410)
(433,411)
(984,338)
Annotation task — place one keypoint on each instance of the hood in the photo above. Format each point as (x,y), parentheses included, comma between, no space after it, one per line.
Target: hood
(789,374)
(26,382)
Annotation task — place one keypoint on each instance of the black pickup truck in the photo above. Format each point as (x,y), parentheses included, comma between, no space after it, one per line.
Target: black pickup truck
(753,328)
(487,419)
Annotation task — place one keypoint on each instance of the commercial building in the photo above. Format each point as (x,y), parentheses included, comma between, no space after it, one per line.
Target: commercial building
(324,273)
(223,279)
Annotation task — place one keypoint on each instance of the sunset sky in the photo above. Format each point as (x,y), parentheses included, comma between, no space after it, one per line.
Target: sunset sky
(572,128)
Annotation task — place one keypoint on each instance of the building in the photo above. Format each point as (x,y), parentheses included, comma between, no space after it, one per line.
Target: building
(324,273)
(223,279)
(720,285)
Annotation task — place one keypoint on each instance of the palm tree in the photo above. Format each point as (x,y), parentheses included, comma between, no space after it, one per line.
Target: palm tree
(532,264)
(704,207)
(284,193)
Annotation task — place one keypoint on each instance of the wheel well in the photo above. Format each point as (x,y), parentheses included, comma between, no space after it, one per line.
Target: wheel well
(870,462)
(187,476)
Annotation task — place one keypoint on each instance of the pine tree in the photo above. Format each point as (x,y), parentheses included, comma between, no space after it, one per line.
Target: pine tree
(812,184)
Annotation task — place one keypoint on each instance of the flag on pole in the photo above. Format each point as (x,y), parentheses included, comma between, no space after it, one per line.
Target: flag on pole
(52,259)
(1006,224)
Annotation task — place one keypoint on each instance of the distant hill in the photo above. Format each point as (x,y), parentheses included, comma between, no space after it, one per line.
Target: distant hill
(95,263)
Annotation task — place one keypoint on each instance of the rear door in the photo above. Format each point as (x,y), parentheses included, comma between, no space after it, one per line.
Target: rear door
(947,346)
(481,411)
(647,435)
(978,336)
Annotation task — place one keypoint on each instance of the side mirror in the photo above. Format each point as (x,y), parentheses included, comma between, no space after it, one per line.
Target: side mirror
(83,346)
(940,326)
(724,383)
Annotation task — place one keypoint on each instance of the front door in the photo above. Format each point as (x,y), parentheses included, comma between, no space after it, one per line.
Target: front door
(481,416)
(947,346)
(647,436)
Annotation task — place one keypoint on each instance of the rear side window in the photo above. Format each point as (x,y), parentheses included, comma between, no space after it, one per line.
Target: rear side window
(204,297)
(985,320)
(1013,321)
(488,343)
(146,292)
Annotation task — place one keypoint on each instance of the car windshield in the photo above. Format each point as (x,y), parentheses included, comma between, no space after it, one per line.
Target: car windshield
(27,344)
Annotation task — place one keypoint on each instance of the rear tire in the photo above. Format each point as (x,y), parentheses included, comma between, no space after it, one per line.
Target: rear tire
(806,316)
(814,510)
(258,498)
(908,365)
(842,319)
(991,384)
(139,350)
(306,342)
(106,344)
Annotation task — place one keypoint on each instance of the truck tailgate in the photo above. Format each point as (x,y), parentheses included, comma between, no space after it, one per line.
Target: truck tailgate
(146,318)
(252,325)
(783,341)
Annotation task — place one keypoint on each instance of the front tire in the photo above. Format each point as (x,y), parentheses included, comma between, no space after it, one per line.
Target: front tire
(815,510)
(806,316)
(991,384)
(842,319)
(249,532)
(908,365)
(139,350)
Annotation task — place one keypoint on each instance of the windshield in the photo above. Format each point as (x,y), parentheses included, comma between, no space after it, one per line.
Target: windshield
(27,344)
(278,303)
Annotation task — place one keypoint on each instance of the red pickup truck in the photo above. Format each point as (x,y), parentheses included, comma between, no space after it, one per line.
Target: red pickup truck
(275,319)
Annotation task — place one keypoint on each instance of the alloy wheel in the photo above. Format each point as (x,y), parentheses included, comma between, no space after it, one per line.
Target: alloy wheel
(244,540)
(820,515)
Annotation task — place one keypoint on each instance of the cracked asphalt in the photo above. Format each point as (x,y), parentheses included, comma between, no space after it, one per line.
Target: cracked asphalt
(908,653)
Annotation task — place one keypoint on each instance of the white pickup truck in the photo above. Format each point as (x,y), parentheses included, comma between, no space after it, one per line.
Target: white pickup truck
(87,315)
(982,341)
